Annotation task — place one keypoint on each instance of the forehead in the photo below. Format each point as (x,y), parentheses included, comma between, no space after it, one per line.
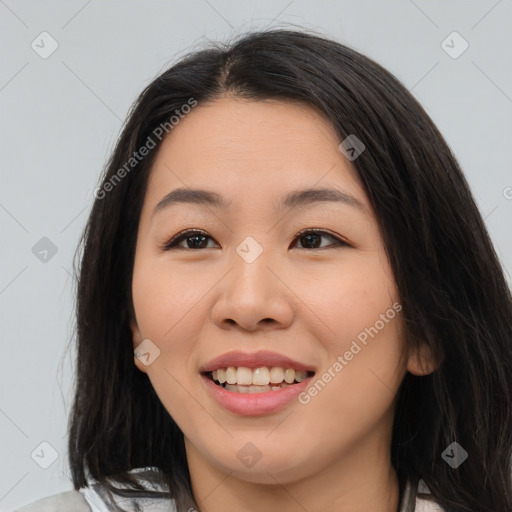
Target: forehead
(243,148)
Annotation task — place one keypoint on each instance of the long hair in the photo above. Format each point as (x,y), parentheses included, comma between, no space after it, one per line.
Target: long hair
(455,298)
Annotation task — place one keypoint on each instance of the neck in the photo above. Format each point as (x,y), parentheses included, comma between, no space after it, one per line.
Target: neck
(358,482)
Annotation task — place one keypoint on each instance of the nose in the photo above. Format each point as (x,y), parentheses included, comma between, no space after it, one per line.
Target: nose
(253,296)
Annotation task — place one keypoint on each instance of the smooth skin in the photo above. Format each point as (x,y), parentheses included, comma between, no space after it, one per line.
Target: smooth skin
(305,299)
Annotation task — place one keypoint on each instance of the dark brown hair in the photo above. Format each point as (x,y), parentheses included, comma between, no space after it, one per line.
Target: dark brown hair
(454,295)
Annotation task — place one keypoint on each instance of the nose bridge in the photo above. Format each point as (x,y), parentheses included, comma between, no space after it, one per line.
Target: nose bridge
(251,273)
(250,250)
(251,291)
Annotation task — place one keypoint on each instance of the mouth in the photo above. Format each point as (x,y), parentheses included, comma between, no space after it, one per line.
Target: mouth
(258,383)
(245,380)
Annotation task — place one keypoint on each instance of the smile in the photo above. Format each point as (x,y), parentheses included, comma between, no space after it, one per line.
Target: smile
(256,383)
(242,379)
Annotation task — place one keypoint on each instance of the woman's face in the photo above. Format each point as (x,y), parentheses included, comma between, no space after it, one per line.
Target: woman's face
(323,302)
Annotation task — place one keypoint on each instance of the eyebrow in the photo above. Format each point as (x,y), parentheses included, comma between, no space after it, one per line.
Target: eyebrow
(293,199)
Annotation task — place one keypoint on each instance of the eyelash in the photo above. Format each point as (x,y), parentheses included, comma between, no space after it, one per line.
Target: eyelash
(183,235)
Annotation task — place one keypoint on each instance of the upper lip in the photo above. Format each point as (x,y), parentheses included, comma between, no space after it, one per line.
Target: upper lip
(254,360)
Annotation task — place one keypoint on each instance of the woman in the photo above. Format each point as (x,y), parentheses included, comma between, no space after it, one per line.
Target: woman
(288,299)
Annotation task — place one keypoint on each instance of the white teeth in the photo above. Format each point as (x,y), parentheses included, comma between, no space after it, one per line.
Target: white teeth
(261,376)
(253,389)
(243,376)
(221,375)
(231,375)
(258,389)
(300,375)
(276,375)
(289,375)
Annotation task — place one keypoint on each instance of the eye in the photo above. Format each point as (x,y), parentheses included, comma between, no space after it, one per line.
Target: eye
(198,239)
(197,236)
(312,236)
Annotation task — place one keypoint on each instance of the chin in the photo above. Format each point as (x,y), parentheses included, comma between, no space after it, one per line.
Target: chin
(270,465)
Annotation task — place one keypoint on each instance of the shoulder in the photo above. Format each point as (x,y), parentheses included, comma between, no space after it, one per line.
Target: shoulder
(154,497)
(70,501)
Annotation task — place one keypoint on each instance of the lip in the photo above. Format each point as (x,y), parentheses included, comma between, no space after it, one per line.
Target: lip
(254,360)
(252,404)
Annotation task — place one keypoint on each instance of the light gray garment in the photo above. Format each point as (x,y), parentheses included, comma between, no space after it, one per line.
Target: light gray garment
(73,501)
(92,499)
(70,501)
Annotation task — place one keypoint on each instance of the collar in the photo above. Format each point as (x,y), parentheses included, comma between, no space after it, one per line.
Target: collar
(408,500)
(415,499)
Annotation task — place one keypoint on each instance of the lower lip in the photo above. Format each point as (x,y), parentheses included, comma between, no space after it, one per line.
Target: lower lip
(251,404)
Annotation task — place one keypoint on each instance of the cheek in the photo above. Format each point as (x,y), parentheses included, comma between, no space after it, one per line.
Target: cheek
(165,300)
(165,314)
(351,298)
(355,393)
(362,336)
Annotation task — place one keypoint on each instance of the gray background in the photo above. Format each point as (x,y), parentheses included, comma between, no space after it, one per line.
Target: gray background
(62,114)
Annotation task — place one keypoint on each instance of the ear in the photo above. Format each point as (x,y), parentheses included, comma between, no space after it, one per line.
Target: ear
(137,340)
(421,361)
